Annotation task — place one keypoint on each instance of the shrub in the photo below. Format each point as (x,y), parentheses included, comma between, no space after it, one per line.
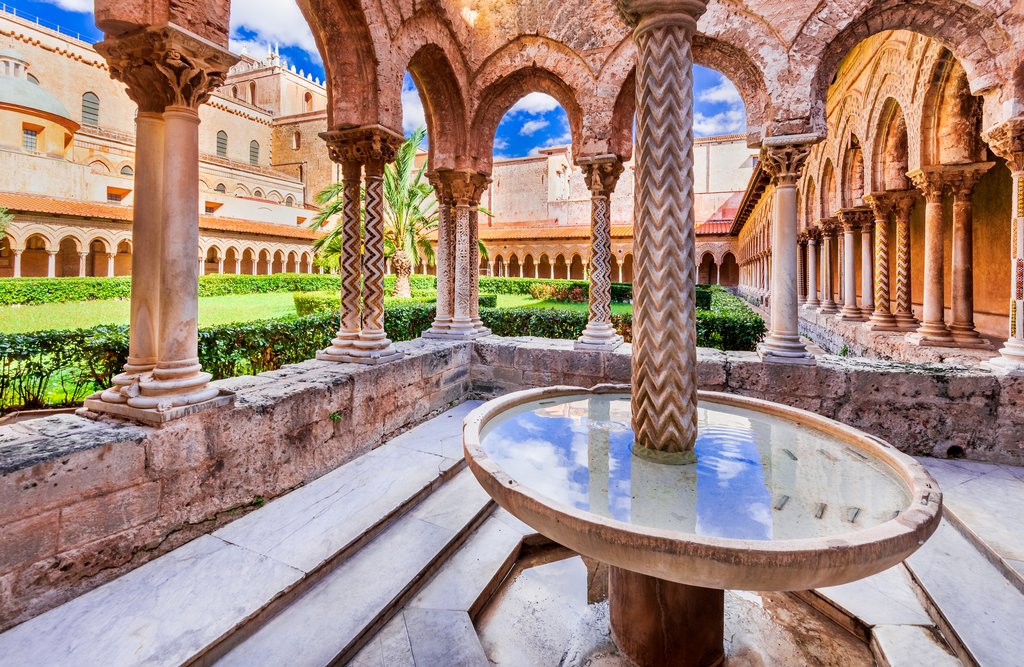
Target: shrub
(307,303)
(487,300)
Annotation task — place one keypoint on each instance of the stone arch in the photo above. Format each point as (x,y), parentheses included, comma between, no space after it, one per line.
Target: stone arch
(951,117)
(891,153)
(100,165)
(526,65)
(707,268)
(810,203)
(577,267)
(305,263)
(972,34)
(279,261)
(829,201)
(242,191)
(627,268)
(514,266)
(529,267)
(852,186)
(729,270)
(499,265)
(291,262)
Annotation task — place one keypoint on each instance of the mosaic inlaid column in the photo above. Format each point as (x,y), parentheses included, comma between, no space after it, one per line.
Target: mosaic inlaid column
(882,206)
(813,268)
(344,148)
(480,183)
(373,346)
(1007,141)
(664,392)
(933,331)
(829,234)
(466,189)
(783,158)
(962,179)
(904,314)
(852,219)
(169,73)
(601,174)
(444,258)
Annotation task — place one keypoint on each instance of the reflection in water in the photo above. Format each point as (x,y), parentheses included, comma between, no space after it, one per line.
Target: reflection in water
(757,477)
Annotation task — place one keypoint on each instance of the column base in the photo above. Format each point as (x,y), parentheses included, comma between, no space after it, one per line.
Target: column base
(828,309)
(812,305)
(851,314)
(455,334)
(931,334)
(882,321)
(907,322)
(1009,362)
(657,623)
(154,416)
(785,350)
(367,357)
(599,338)
(966,336)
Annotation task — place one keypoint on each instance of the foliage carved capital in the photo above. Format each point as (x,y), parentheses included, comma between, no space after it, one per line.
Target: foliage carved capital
(601,173)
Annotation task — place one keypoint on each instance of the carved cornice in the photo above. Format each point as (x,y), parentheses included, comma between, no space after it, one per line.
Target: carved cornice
(601,173)
(466,188)
(784,163)
(167,66)
(371,145)
(1007,141)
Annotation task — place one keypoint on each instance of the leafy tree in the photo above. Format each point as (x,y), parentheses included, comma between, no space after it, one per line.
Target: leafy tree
(5,220)
(410,215)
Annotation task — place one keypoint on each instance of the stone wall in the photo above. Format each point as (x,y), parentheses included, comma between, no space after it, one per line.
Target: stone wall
(82,501)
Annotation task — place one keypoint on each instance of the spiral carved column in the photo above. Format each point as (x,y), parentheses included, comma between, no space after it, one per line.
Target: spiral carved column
(783,158)
(1007,141)
(601,174)
(170,74)
(664,395)
(882,205)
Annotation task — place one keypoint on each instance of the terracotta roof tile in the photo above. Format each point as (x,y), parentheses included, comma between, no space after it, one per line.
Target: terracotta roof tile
(16,201)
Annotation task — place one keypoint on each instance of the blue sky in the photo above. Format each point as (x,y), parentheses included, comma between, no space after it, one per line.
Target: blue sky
(534,123)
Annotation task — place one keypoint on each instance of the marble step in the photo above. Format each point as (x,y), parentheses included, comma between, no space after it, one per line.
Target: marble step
(977,608)
(191,604)
(332,620)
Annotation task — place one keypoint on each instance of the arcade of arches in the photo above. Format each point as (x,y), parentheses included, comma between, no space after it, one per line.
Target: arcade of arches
(853,120)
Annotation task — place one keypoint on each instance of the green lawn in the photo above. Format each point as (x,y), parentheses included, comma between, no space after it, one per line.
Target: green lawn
(526,301)
(85,314)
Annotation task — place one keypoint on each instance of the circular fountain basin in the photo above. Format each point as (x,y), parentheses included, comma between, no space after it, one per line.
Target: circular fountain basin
(779,499)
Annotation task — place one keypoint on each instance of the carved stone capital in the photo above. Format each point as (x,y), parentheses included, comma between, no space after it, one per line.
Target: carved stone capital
(370,145)
(931,181)
(1007,141)
(785,162)
(813,234)
(645,14)
(166,66)
(883,204)
(853,219)
(830,226)
(466,188)
(961,179)
(601,173)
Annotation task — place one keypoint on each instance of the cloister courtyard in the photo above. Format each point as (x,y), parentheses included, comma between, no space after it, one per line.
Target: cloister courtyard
(792,433)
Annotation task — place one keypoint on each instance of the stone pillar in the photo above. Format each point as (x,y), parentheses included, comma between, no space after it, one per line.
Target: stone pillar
(882,206)
(801,269)
(82,257)
(783,158)
(904,315)
(466,189)
(867,263)
(220,265)
(110,264)
(664,395)
(201,268)
(829,234)
(962,179)
(853,219)
(17,263)
(344,149)
(445,257)
(601,174)
(933,330)
(51,263)
(482,182)
(1007,141)
(169,73)
(813,268)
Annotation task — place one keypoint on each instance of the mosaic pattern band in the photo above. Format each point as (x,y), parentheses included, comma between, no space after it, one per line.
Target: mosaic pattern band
(351,252)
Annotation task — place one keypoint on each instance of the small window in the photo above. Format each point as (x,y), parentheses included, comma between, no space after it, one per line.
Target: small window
(210,208)
(114,197)
(258,194)
(252,93)
(33,79)
(308,100)
(254,153)
(30,140)
(127,171)
(234,92)
(222,144)
(90,109)
(221,188)
(297,140)
(289,201)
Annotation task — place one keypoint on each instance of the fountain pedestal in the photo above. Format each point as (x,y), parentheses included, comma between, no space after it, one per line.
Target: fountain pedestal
(659,623)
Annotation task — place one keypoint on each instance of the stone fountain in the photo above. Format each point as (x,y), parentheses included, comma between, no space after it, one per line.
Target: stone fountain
(685,494)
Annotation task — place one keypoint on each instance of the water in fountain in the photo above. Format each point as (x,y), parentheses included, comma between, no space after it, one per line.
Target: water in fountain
(757,477)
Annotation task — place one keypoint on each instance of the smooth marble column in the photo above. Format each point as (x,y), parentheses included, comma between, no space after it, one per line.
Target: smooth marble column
(933,330)
(852,220)
(829,231)
(82,270)
(962,180)
(17,263)
(867,255)
(813,268)
(51,263)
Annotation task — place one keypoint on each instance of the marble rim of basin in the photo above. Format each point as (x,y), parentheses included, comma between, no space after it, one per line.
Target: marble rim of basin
(714,562)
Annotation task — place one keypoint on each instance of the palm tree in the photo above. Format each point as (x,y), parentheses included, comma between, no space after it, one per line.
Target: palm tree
(410,214)
(5,220)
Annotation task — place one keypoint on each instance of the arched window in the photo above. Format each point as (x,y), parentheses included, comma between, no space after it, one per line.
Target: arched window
(297,140)
(33,79)
(257,193)
(127,171)
(254,152)
(252,93)
(90,109)
(222,144)
(221,188)
(289,201)
(234,92)
(308,100)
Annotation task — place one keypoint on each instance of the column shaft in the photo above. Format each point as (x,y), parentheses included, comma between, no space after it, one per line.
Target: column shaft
(962,183)
(904,314)
(82,257)
(462,321)
(445,259)
(852,220)
(601,174)
(882,206)
(351,258)
(813,269)
(17,263)
(51,264)
(867,263)
(933,330)
(828,238)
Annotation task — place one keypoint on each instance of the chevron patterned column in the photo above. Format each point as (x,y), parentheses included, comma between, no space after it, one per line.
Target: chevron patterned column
(783,158)
(664,393)
(445,259)
(904,314)
(351,259)
(882,205)
(1007,141)
(601,174)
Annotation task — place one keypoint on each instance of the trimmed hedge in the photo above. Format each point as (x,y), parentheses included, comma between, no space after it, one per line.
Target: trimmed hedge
(308,303)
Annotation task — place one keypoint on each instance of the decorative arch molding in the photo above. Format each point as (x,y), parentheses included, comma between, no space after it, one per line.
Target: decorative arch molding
(979,42)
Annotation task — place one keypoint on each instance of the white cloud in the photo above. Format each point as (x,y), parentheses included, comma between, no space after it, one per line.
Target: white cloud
(500,144)
(727,122)
(252,47)
(724,92)
(83,6)
(413,115)
(532,127)
(278,22)
(534,104)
